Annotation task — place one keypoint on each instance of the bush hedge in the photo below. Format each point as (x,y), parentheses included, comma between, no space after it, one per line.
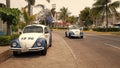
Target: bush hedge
(5,40)
(14,36)
(59,28)
(85,29)
(106,29)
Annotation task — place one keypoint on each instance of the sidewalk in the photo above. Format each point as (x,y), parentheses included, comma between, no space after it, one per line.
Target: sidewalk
(4,53)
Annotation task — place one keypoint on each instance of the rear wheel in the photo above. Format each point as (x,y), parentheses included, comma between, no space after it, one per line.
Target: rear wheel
(50,45)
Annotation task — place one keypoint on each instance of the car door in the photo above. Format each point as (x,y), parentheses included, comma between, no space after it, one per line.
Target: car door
(47,35)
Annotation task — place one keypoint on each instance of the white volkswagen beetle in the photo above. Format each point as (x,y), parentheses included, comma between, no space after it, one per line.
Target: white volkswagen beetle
(34,37)
(74,31)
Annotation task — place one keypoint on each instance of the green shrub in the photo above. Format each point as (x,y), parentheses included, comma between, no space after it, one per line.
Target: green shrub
(106,29)
(85,29)
(59,28)
(14,36)
(5,40)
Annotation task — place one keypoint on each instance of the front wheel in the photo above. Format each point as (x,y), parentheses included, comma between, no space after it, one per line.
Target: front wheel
(44,52)
(81,37)
(65,34)
(15,53)
(69,36)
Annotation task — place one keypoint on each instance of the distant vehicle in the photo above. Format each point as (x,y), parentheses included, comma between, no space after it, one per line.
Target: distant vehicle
(34,37)
(74,31)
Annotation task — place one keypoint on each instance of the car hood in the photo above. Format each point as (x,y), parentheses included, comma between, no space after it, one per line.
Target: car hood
(27,40)
(75,30)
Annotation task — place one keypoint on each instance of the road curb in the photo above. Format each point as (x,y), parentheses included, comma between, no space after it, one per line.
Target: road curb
(5,55)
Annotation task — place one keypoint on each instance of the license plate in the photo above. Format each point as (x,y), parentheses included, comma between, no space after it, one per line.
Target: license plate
(25,50)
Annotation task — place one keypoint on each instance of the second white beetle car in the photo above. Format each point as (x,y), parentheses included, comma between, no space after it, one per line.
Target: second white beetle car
(74,31)
(34,37)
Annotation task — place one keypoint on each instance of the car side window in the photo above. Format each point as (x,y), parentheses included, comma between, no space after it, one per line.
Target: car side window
(46,30)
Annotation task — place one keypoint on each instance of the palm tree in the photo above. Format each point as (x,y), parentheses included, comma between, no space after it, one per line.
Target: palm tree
(53,12)
(106,8)
(85,16)
(27,17)
(31,3)
(95,16)
(64,14)
(72,19)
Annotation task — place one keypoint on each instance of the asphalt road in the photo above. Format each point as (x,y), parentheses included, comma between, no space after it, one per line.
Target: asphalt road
(95,50)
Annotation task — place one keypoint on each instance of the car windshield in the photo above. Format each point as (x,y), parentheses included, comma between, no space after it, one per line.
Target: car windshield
(33,29)
(73,27)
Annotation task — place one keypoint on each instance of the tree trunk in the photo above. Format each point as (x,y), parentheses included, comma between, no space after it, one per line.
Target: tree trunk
(8,3)
(29,8)
(8,29)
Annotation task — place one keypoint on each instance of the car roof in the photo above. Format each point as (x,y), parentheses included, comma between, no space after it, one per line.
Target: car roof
(72,26)
(36,25)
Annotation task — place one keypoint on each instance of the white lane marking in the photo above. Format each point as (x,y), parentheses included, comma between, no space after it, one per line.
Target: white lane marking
(75,58)
(112,46)
(70,49)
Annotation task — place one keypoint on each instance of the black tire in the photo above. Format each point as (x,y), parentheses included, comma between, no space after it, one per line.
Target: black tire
(81,37)
(44,52)
(50,45)
(15,53)
(69,36)
(65,34)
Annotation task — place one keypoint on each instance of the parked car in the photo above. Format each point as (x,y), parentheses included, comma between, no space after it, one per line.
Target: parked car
(34,37)
(74,31)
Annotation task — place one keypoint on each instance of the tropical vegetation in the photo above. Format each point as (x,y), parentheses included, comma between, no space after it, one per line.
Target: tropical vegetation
(85,17)
(106,8)
(10,16)
(31,3)
(64,14)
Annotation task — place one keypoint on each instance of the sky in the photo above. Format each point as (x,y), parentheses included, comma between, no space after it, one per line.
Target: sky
(74,6)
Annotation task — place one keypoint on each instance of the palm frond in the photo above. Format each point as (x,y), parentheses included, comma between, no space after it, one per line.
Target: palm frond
(48,1)
(40,5)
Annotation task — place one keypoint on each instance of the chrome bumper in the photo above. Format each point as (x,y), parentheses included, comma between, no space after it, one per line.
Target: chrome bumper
(27,49)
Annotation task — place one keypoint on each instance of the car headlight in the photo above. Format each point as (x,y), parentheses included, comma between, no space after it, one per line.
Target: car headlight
(14,44)
(39,44)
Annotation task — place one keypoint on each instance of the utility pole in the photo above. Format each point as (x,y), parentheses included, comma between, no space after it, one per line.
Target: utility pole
(8,3)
